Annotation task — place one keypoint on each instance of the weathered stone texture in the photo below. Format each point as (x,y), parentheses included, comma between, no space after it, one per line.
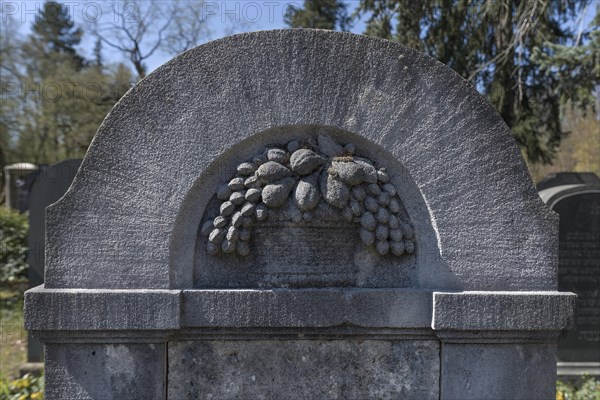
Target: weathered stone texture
(304,369)
(498,371)
(104,371)
(135,213)
(515,311)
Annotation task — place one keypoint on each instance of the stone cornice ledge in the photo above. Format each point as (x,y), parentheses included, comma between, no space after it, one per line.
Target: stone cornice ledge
(452,314)
(503,311)
(101,309)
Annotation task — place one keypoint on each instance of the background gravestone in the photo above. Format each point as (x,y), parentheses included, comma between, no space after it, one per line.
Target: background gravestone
(568,178)
(50,185)
(181,262)
(578,206)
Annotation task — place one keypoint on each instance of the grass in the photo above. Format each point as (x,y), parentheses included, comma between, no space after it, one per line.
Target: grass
(13,337)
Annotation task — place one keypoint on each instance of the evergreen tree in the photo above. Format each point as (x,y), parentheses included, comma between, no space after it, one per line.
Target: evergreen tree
(319,14)
(576,68)
(56,32)
(62,99)
(98,59)
(490,43)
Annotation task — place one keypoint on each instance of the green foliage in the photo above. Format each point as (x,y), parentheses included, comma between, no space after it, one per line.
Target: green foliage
(53,100)
(588,389)
(318,14)
(13,245)
(13,349)
(576,68)
(28,387)
(55,31)
(491,43)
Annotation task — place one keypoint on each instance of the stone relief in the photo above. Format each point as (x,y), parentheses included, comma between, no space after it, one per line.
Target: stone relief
(310,184)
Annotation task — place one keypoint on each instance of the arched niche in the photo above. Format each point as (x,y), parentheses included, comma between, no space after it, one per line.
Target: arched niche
(310,246)
(125,222)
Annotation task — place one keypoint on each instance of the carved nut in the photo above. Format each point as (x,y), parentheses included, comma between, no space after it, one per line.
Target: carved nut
(236,220)
(278,155)
(220,222)
(253,195)
(227,209)
(236,184)
(272,171)
(246,169)
(237,198)
(248,209)
(305,161)
(216,236)
(233,234)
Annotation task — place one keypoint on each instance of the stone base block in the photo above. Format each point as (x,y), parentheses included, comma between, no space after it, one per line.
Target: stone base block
(105,371)
(498,371)
(304,369)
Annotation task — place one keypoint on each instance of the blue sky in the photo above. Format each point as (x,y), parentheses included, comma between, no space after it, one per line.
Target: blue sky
(223,17)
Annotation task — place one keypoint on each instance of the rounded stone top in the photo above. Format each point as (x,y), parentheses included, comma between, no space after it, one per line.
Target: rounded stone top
(128,220)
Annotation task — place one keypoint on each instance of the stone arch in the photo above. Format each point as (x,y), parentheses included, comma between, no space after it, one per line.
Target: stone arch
(120,224)
(201,206)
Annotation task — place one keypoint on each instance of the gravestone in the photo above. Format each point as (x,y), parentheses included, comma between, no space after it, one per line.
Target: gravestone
(50,185)
(568,178)
(579,271)
(301,214)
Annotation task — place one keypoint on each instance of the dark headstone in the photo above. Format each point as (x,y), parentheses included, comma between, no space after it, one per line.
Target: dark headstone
(568,178)
(579,265)
(51,184)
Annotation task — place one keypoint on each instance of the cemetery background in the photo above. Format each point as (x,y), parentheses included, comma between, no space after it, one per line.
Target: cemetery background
(576,153)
